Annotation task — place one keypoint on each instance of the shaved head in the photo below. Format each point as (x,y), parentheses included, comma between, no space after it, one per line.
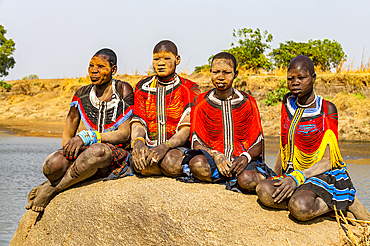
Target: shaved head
(165,45)
(303,61)
(225,55)
(110,53)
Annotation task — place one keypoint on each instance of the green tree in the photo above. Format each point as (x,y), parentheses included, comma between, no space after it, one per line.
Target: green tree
(325,54)
(7,47)
(250,48)
(277,95)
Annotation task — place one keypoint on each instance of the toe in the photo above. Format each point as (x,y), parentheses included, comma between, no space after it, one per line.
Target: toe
(29,205)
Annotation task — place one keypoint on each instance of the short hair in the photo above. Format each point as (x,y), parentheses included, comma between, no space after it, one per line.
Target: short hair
(110,53)
(166,45)
(225,55)
(306,61)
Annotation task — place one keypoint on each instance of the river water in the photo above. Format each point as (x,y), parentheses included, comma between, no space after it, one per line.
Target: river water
(21,160)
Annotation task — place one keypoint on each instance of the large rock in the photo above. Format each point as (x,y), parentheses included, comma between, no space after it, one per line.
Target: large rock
(163,211)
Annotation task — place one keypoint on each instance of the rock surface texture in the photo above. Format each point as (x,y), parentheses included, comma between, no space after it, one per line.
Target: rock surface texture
(163,211)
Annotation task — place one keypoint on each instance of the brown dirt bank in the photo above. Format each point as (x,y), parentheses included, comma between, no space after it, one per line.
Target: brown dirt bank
(39,107)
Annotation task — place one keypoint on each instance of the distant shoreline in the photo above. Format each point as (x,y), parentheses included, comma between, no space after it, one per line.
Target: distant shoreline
(18,127)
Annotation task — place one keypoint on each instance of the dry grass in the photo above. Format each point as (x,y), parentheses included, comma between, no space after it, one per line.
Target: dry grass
(349,235)
(71,85)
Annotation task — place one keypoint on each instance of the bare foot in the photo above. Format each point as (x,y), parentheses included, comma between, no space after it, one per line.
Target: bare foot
(359,211)
(45,194)
(35,191)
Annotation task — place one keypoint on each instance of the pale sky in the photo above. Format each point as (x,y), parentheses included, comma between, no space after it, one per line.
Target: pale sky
(56,39)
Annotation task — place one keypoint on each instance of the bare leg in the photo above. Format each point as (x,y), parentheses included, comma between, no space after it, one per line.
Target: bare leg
(264,190)
(249,179)
(171,163)
(200,169)
(98,156)
(54,168)
(359,211)
(305,205)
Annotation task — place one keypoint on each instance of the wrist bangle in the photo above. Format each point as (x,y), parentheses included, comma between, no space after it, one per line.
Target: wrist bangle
(138,138)
(168,144)
(278,177)
(217,156)
(246,154)
(87,137)
(98,137)
(298,177)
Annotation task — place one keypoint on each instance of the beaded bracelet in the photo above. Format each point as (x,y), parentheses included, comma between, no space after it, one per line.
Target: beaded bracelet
(298,177)
(98,137)
(168,144)
(138,138)
(89,137)
(278,177)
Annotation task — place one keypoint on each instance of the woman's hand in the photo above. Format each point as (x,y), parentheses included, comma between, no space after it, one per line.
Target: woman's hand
(139,153)
(239,164)
(223,164)
(286,188)
(156,154)
(72,147)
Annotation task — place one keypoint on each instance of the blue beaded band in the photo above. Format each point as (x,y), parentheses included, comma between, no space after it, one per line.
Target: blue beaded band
(89,137)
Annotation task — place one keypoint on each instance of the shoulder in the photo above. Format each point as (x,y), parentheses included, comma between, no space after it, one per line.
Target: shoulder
(143,80)
(286,96)
(331,108)
(124,88)
(190,84)
(248,96)
(200,97)
(83,90)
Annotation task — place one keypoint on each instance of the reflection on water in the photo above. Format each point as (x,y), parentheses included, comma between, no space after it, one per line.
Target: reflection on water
(21,161)
(21,170)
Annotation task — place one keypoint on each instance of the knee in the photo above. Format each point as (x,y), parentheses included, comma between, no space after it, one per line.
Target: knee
(55,166)
(265,189)
(300,207)
(199,167)
(249,179)
(198,162)
(171,163)
(98,150)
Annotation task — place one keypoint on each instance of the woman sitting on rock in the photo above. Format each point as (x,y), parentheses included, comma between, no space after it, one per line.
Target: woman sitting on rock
(105,107)
(312,176)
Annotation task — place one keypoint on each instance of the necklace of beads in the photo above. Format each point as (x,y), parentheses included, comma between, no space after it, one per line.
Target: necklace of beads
(306,105)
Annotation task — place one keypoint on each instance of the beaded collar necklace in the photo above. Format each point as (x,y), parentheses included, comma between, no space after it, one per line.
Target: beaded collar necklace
(306,105)
(167,82)
(226,99)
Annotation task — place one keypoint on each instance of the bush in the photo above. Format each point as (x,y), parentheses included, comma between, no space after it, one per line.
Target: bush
(325,54)
(31,76)
(202,68)
(277,95)
(5,85)
(250,48)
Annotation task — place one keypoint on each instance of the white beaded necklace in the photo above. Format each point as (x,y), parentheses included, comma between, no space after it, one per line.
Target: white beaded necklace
(306,105)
